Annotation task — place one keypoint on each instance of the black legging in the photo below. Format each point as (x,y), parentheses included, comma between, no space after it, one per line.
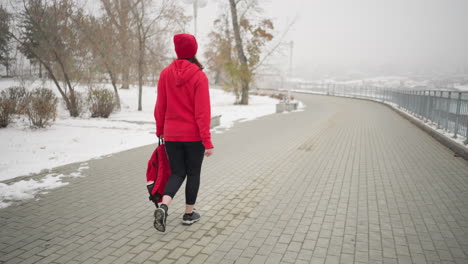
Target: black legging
(186,160)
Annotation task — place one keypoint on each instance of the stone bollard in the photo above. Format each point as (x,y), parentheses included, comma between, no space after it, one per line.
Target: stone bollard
(281,107)
(291,107)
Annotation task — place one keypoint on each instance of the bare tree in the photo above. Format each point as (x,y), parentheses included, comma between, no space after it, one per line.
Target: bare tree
(142,33)
(5,45)
(241,54)
(119,14)
(238,50)
(219,51)
(99,34)
(165,16)
(46,33)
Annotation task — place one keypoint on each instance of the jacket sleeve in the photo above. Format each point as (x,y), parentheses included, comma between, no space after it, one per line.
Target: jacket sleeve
(203,110)
(160,107)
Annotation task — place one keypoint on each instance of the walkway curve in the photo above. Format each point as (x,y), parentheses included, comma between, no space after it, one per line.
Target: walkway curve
(345,181)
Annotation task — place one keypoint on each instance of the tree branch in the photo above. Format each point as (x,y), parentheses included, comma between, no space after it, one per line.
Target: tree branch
(277,45)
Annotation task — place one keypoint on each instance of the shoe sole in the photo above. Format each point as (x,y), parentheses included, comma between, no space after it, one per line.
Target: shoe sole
(189,222)
(159,220)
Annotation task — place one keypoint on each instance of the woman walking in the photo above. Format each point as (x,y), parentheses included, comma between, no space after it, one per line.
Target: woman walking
(183,115)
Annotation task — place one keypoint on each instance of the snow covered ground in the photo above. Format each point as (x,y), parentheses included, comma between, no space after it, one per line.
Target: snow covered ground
(461,87)
(25,151)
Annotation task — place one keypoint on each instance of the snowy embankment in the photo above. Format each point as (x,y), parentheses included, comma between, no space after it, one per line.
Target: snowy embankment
(25,151)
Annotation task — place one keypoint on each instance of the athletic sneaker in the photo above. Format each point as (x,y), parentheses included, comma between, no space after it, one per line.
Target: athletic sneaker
(160,215)
(189,219)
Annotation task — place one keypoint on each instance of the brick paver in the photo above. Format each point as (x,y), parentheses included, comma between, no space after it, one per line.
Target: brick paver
(345,181)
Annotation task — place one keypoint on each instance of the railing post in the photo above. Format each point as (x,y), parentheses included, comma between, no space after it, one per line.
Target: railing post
(466,135)
(421,105)
(431,107)
(434,107)
(416,102)
(447,110)
(407,100)
(402,99)
(457,118)
(396,98)
(439,112)
(410,101)
(426,105)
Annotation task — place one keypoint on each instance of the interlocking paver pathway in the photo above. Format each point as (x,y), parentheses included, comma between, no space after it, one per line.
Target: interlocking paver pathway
(345,181)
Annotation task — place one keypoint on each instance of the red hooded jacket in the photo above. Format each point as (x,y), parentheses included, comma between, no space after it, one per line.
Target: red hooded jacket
(183,111)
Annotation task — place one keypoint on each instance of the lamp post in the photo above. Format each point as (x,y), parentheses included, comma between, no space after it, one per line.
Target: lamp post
(290,71)
(196,4)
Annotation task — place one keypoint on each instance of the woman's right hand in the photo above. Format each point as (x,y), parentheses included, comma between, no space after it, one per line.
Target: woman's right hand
(209,152)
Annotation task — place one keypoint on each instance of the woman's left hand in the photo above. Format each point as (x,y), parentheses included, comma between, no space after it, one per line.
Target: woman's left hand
(209,152)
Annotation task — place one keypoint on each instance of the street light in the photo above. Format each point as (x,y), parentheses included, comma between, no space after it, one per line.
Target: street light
(291,46)
(196,4)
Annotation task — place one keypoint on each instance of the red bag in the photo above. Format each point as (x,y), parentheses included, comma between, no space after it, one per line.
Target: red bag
(157,173)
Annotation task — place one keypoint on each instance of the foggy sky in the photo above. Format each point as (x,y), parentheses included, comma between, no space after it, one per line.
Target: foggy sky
(358,35)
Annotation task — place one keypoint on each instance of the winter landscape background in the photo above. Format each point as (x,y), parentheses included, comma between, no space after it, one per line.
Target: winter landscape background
(305,45)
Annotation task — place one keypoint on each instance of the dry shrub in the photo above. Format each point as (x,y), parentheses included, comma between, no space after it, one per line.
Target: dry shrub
(7,109)
(282,96)
(101,102)
(18,96)
(79,99)
(42,107)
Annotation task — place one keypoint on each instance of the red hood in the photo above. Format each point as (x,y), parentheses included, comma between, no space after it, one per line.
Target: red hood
(183,71)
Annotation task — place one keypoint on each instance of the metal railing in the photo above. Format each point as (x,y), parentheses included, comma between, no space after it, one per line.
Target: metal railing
(446,110)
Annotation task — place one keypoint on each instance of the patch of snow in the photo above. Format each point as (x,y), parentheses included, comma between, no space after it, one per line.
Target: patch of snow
(28,189)
(223,105)
(461,87)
